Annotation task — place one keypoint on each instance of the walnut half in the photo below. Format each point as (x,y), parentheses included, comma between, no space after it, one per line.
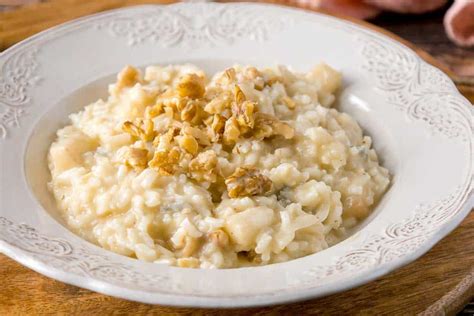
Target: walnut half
(247,181)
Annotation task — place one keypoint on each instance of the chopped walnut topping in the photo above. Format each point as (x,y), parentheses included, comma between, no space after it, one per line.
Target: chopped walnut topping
(163,142)
(200,117)
(197,133)
(166,162)
(231,131)
(219,103)
(230,74)
(267,125)
(216,124)
(179,104)
(192,112)
(189,143)
(171,99)
(219,237)
(244,113)
(239,95)
(136,158)
(247,182)
(154,111)
(192,86)
(131,129)
(142,129)
(203,167)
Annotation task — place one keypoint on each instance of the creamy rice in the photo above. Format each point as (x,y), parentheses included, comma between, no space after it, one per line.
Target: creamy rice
(250,167)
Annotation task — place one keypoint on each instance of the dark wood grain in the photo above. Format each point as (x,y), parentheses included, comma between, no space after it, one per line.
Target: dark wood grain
(440,281)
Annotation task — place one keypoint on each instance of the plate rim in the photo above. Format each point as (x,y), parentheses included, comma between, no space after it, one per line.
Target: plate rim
(22,257)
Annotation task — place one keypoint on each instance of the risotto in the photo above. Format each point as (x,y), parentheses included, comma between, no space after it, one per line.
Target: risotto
(249,167)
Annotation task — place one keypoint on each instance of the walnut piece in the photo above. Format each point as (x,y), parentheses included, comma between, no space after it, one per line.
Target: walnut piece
(189,143)
(163,141)
(191,112)
(170,98)
(199,134)
(247,181)
(227,77)
(154,111)
(230,74)
(231,131)
(219,103)
(200,117)
(244,113)
(215,129)
(203,167)
(141,128)
(166,162)
(239,95)
(192,86)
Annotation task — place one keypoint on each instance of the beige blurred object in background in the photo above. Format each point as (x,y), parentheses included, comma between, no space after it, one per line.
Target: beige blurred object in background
(354,8)
(16,2)
(408,6)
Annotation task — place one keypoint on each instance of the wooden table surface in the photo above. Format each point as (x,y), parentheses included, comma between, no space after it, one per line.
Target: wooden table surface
(440,282)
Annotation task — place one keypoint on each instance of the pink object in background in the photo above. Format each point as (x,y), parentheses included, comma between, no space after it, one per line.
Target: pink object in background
(459,22)
(366,9)
(408,6)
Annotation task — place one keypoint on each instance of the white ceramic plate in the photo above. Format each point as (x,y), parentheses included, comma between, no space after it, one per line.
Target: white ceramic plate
(421,126)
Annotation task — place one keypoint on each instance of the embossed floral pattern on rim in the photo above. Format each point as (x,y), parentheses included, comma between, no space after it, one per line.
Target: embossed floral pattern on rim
(404,79)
